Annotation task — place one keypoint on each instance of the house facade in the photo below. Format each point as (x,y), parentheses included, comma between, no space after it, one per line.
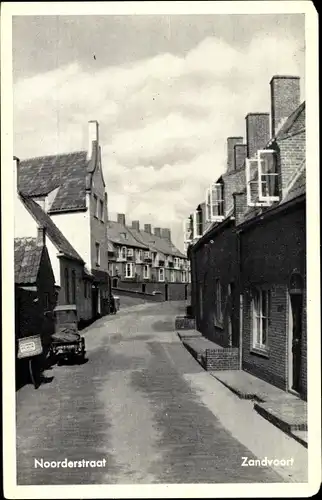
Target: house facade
(70,189)
(248,267)
(146,261)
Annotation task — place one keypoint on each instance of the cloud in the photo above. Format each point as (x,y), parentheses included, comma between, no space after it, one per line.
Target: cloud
(163,121)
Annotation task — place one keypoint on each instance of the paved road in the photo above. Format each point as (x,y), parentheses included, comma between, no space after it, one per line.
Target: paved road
(132,405)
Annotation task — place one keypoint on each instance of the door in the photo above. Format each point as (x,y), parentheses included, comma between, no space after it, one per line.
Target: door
(94,302)
(233,332)
(166,291)
(295,331)
(296,337)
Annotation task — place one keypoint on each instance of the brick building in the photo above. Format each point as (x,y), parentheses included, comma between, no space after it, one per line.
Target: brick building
(70,189)
(145,260)
(248,269)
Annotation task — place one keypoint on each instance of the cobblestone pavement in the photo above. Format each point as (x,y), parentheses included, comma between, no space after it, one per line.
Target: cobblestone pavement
(133,405)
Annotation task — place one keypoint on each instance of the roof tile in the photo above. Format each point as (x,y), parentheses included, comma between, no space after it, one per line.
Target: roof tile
(27,260)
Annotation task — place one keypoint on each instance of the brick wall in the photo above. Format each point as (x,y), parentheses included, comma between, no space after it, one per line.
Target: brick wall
(292,154)
(240,151)
(233,182)
(270,252)
(222,359)
(285,98)
(257,132)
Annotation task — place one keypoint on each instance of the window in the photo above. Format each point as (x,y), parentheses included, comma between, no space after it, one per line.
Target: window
(102,210)
(147,254)
(146,272)
(66,285)
(188,229)
(139,255)
(73,287)
(260,312)
(267,176)
(129,270)
(215,202)
(161,274)
(97,253)
(130,252)
(262,179)
(183,277)
(95,206)
(198,223)
(172,276)
(218,303)
(123,253)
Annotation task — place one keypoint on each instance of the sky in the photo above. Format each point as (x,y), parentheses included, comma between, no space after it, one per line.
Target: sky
(167,91)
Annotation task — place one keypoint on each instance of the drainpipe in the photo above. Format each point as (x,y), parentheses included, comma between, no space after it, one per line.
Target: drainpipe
(241,299)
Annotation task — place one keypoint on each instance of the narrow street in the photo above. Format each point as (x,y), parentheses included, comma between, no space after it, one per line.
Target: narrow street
(131,404)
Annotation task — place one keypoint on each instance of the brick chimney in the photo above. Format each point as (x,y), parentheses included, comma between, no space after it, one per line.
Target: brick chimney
(121,219)
(240,205)
(285,98)
(257,132)
(136,225)
(148,228)
(157,231)
(166,233)
(240,154)
(93,136)
(231,142)
(41,236)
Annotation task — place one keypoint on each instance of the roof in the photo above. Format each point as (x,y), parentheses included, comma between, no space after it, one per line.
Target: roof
(54,234)
(27,260)
(156,243)
(294,123)
(297,188)
(40,176)
(120,234)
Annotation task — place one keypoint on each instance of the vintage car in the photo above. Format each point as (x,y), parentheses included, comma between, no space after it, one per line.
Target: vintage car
(67,344)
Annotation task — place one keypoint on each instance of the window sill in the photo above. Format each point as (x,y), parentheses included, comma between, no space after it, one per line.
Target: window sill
(264,353)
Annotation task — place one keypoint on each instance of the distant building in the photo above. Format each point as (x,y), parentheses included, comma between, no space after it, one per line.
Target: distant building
(142,260)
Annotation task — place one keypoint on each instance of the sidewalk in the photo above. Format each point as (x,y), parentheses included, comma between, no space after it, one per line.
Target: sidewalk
(284,410)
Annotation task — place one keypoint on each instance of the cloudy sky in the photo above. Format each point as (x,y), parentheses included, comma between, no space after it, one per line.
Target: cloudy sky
(166,90)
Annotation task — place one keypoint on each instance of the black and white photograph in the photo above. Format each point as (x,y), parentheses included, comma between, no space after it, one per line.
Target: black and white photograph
(160,255)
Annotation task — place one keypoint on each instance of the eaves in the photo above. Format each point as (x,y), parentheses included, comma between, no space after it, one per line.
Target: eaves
(215,230)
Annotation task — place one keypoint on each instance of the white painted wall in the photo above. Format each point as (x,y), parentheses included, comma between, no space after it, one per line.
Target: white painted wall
(75,226)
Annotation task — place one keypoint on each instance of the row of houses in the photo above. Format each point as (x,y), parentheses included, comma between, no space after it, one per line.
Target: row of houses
(61,209)
(247,246)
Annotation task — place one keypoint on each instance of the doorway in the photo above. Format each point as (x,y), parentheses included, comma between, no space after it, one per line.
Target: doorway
(295,331)
(143,287)
(166,292)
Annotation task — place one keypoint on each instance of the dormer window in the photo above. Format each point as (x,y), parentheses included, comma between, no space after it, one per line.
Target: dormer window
(262,179)
(123,252)
(198,223)
(215,202)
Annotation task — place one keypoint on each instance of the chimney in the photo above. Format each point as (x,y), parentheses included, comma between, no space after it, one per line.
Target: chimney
(166,233)
(231,142)
(121,219)
(240,154)
(93,136)
(148,228)
(16,162)
(257,131)
(285,98)
(240,205)
(136,225)
(41,236)
(157,231)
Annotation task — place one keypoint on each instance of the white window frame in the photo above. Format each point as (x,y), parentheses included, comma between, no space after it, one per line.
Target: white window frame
(261,196)
(129,265)
(146,272)
(260,318)
(195,225)
(213,200)
(130,252)
(161,270)
(147,254)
